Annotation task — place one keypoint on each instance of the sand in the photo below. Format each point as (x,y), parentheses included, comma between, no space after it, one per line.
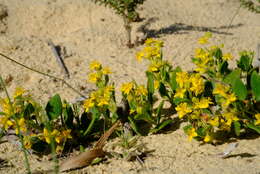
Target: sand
(87,32)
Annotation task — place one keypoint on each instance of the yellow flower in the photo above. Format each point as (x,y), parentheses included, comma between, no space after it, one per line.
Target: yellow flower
(88,103)
(230,117)
(107,91)
(27,142)
(19,92)
(182,78)
(6,106)
(214,122)
(154,67)
(103,101)
(139,56)
(221,89)
(22,125)
(66,133)
(127,87)
(59,149)
(56,135)
(5,122)
(257,121)
(227,57)
(60,137)
(152,52)
(201,103)
(106,70)
(197,85)
(139,109)
(201,69)
(180,92)
(195,115)
(229,98)
(141,90)
(153,42)
(46,135)
(94,77)
(183,109)
(192,133)
(208,138)
(95,65)
(156,84)
(204,39)
(198,52)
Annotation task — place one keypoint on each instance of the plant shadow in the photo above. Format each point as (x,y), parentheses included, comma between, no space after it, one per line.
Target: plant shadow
(181,28)
(170,113)
(242,155)
(4,163)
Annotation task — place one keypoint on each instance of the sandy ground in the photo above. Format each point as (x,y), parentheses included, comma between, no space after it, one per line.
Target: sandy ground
(89,32)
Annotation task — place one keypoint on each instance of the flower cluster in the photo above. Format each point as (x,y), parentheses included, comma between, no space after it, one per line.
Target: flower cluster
(152,52)
(136,96)
(60,137)
(17,114)
(103,97)
(212,97)
(100,98)
(98,74)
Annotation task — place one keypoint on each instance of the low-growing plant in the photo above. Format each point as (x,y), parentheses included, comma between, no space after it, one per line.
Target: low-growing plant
(215,99)
(253,6)
(127,9)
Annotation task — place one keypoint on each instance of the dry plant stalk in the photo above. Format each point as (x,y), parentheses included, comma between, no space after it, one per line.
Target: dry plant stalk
(85,158)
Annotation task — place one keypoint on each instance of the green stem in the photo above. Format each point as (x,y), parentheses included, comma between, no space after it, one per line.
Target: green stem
(45,74)
(27,164)
(90,126)
(53,150)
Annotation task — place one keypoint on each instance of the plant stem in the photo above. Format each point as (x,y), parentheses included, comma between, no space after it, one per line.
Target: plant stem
(45,74)
(128,29)
(90,126)
(26,161)
(53,150)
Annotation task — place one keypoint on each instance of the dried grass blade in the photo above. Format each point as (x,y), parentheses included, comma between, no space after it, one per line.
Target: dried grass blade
(85,158)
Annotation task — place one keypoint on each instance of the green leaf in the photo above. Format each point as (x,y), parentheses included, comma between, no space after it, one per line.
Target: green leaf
(245,62)
(173,82)
(144,116)
(223,68)
(150,86)
(54,107)
(68,117)
(236,83)
(150,82)
(208,89)
(159,111)
(178,100)
(231,77)
(187,128)
(255,85)
(95,116)
(239,89)
(201,131)
(134,126)
(161,126)
(29,109)
(164,73)
(96,161)
(237,128)
(218,54)
(162,90)
(254,127)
